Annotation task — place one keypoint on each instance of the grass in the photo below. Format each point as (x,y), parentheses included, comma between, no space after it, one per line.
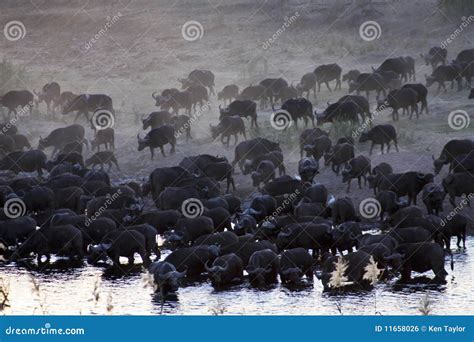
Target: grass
(4,294)
(425,305)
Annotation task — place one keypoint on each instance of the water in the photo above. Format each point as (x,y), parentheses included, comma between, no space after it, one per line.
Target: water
(70,291)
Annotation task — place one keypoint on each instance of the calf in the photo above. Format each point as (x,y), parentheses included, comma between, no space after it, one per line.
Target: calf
(308,137)
(351,76)
(276,157)
(101,158)
(357,167)
(229,92)
(251,149)
(104,137)
(307,83)
(340,154)
(318,148)
(242,108)
(229,125)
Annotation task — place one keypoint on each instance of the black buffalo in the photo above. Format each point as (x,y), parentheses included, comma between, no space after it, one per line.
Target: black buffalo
(158,137)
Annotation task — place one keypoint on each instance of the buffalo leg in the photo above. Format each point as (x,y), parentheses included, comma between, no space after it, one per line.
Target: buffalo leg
(348,185)
(371,148)
(327,85)
(152,152)
(396,144)
(388,146)
(162,151)
(381,147)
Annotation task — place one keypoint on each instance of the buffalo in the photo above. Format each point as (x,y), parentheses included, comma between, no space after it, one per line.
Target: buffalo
(86,103)
(380,135)
(158,137)
(326,73)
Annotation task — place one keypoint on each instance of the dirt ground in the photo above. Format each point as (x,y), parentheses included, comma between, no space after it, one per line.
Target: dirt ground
(143,50)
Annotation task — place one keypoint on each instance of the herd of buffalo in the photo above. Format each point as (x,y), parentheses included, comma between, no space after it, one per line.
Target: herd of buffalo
(291,228)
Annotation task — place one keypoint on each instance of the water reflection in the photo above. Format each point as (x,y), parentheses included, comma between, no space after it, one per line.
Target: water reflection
(66,288)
